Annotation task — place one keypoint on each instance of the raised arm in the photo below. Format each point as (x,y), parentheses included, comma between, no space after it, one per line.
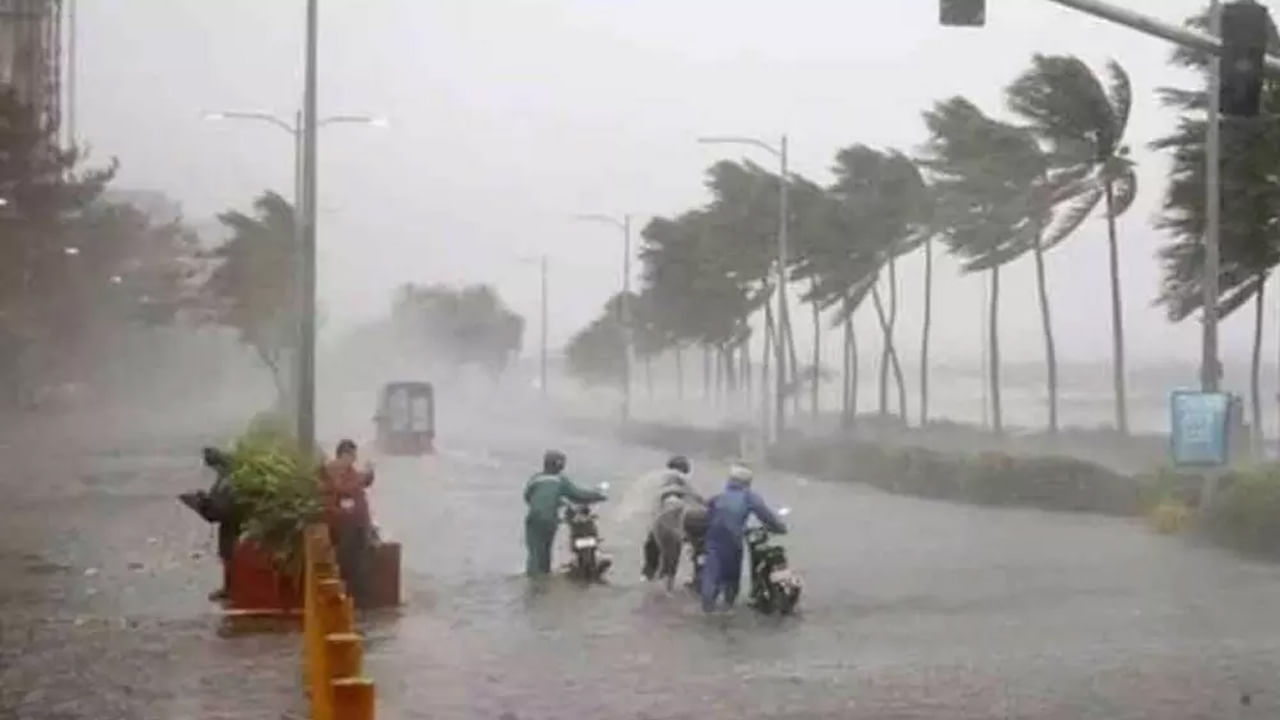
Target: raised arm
(577,494)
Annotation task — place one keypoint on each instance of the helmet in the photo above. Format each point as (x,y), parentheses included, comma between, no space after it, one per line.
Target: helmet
(553,462)
(740,473)
(679,463)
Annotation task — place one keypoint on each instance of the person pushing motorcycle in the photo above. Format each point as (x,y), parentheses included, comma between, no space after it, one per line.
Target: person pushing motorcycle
(543,494)
(727,515)
(667,529)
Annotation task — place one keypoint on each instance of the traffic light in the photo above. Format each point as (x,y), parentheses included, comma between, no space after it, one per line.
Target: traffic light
(1246,25)
(962,13)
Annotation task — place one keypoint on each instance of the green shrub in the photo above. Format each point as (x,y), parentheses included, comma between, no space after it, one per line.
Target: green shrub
(989,478)
(1245,514)
(275,489)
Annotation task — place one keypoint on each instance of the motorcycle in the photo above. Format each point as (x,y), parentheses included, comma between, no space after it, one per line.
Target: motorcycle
(775,587)
(589,564)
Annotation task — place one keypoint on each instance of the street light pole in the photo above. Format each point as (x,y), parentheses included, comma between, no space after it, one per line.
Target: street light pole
(1210,373)
(784,319)
(623,224)
(627,318)
(780,342)
(306,429)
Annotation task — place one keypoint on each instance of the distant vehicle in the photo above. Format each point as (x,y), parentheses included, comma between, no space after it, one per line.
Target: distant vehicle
(406,418)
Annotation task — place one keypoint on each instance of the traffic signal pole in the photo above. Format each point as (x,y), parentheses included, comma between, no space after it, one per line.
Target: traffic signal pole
(1210,370)
(1158,28)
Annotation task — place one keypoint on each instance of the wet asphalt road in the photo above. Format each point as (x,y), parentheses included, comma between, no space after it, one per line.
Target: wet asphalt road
(912,609)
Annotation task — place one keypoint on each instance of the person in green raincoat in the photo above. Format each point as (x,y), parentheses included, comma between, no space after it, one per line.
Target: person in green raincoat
(543,493)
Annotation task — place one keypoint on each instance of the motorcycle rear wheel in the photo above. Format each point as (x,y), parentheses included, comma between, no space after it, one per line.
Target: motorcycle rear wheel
(586,564)
(788,598)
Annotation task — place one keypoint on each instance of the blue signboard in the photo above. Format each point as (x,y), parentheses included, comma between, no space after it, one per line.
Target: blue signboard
(1199,427)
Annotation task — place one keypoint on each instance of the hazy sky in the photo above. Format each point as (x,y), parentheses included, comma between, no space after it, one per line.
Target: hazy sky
(508,116)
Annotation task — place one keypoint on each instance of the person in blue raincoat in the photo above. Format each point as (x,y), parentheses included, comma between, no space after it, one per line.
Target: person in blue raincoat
(727,515)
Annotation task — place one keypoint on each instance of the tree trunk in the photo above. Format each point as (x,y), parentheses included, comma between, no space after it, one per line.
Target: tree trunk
(924,332)
(766,400)
(886,343)
(1046,324)
(679,372)
(993,352)
(817,360)
(792,374)
(648,376)
(891,352)
(706,373)
(717,364)
(1117,319)
(730,377)
(893,326)
(850,369)
(745,372)
(1255,368)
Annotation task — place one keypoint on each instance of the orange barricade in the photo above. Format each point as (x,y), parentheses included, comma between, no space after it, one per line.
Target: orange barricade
(332,651)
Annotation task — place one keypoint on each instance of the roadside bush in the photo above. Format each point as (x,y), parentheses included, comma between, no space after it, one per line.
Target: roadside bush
(989,478)
(1245,513)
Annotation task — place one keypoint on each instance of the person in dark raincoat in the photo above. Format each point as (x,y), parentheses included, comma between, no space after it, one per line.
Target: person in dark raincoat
(727,515)
(543,493)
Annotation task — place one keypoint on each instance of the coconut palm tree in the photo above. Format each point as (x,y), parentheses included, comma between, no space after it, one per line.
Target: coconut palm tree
(1083,120)
(992,204)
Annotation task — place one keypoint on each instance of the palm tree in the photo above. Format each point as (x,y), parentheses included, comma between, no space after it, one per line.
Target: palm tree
(250,288)
(1083,121)
(883,196)
(992,205)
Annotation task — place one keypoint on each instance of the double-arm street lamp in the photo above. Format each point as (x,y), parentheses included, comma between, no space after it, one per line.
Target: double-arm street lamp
(623,223)
(302,383)
(780,152)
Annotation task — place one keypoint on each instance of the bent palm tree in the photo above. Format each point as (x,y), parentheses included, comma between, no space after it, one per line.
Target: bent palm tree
(1083,123)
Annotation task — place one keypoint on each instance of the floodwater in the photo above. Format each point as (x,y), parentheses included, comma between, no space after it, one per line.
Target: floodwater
(912,609)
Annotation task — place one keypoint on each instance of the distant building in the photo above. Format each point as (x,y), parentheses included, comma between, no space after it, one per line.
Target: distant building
(31,55)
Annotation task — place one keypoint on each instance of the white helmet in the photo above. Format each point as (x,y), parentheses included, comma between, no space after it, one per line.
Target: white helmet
(739,472)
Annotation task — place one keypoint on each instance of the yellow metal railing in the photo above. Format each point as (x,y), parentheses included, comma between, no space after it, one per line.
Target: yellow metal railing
(332,651)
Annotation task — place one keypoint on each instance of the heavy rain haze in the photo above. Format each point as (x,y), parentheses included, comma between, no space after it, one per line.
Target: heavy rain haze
(507,118)
(965,458)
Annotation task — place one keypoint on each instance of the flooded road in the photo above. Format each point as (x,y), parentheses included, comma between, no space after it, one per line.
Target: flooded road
(912,609)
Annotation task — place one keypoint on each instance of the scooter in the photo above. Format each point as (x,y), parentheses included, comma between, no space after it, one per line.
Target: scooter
(589,564)
(775,587)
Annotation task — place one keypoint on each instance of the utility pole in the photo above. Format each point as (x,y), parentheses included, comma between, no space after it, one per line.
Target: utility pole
(294,386)
(784,322)
(306,430)
(71,72)
(624,309)
(626,318)
(1210,373)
